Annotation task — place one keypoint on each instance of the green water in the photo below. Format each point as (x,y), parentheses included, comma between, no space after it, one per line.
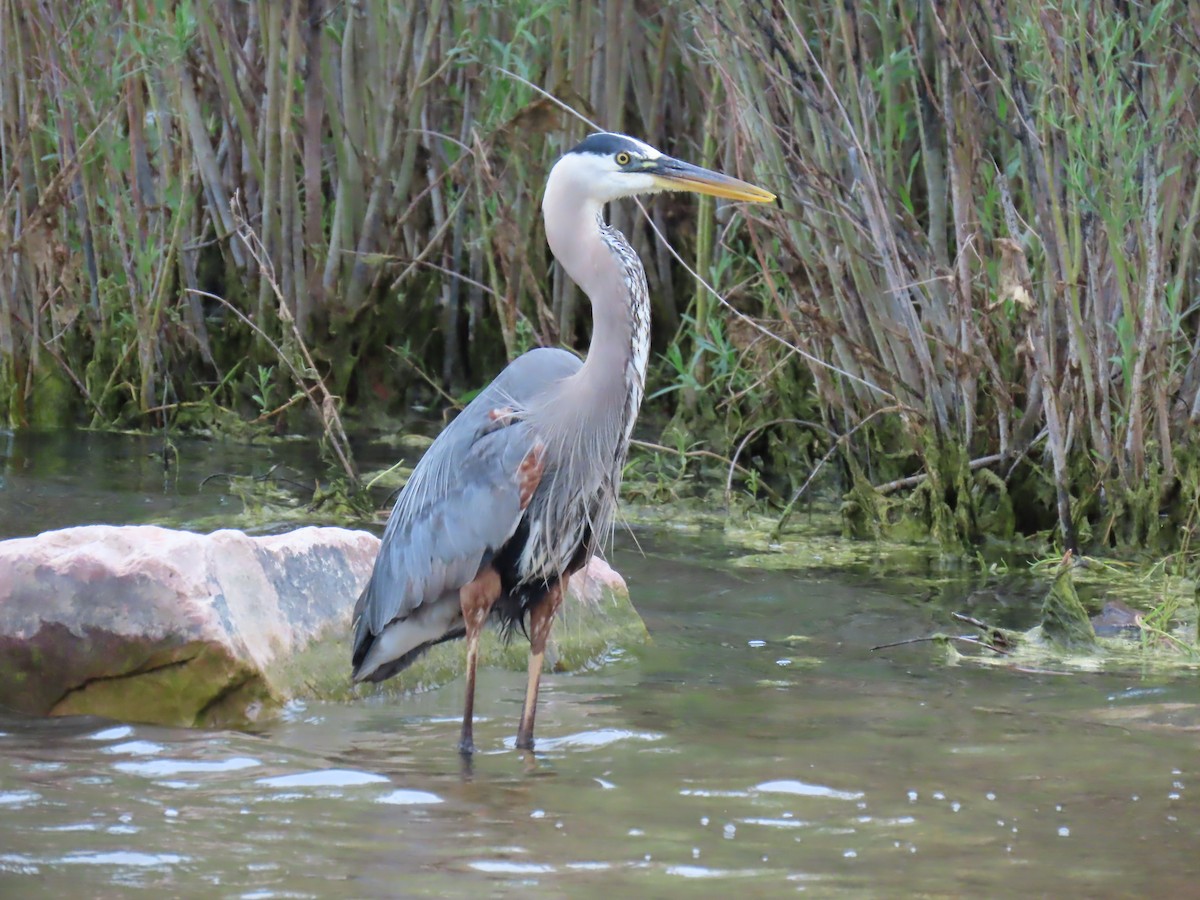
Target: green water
(758,748)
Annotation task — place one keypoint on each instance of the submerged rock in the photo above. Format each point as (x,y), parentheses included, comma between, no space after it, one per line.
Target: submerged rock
(150,624)
(596,623)
(1117,620)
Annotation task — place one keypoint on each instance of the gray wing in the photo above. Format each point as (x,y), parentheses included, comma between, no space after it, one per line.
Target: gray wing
(462,501)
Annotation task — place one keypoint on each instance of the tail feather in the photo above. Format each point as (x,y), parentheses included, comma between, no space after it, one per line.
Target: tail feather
(377,657)
(396,666)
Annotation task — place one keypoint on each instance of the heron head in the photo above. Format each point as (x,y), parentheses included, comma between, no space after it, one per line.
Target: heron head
(609,166)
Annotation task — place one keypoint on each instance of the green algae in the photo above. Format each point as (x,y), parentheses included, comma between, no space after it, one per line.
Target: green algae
(1067,641)
(1065,622)
(588,633)
(199,686)
(1032,652)
(1064,639)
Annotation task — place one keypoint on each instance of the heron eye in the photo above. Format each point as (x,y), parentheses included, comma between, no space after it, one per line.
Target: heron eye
(623,158)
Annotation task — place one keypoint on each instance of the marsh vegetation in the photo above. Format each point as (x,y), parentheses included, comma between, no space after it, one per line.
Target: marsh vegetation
(973,312)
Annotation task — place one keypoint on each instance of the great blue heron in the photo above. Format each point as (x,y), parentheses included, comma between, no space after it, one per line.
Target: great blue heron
(518,491)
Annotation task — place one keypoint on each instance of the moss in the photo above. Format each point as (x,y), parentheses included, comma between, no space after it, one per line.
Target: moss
(53,399)
(950,505)
(240,704)
(321,670)
(993,505)
(10,392)
(1064,620)
(584,636)
(201,687)
(1030,651)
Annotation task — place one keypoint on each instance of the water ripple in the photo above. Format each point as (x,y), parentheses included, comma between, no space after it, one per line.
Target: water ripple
(803,789)
(17,799)
(777,823)
(121,858)
(506,867)
(705,872)
(136,748)
(112,734)
(158,768)
(410,798)
(590,740)
(706,792)
(323,778)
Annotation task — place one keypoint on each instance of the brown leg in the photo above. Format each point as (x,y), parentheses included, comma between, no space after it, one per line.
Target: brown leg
(476,600)
(541,618)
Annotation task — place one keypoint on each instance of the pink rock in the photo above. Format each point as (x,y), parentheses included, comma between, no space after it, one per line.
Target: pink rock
(151,624)
(589,585)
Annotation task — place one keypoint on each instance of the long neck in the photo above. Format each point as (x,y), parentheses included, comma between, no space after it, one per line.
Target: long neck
(606,268)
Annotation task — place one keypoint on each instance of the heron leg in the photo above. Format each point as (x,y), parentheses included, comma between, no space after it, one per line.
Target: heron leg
(541,619)
(476,600)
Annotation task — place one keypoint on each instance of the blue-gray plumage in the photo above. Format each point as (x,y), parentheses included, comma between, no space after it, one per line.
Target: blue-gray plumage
(519,491)
(436,538)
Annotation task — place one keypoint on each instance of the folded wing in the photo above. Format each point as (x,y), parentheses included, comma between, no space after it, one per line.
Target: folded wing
(461,504)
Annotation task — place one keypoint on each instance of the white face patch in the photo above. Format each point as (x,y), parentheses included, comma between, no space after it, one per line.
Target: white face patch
(596,179)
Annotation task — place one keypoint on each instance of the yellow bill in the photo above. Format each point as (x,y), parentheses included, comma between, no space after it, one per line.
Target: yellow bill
(676,175)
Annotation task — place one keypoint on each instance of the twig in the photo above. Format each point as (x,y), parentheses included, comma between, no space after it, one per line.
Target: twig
(565,107)
(274,412)
(1025,452)
(962,638)
(265,476)
(913,480)
(388,471)
(426,377)
(79,385)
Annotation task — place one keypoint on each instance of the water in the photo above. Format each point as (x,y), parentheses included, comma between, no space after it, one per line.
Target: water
(758,747)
